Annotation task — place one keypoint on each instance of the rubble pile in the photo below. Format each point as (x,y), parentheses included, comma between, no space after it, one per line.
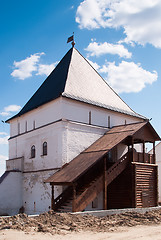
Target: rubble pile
(59,223)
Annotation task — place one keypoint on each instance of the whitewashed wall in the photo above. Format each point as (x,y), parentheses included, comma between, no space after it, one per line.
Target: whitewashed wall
(78,111)
(67,109)
(37,194)
(42,115)
(11,193)
(65,138)
(56,134)
(158,161)
(79,137)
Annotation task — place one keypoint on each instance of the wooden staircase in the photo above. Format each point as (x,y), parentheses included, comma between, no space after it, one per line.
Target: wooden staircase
(87,193)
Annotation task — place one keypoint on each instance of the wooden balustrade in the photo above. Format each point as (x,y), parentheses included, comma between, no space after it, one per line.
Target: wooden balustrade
(144,158)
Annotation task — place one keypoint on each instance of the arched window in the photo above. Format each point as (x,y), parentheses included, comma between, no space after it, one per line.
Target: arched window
(44,152)
(33,151)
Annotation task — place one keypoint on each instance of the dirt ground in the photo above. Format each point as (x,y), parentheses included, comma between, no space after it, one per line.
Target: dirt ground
(65,226)
(122,233)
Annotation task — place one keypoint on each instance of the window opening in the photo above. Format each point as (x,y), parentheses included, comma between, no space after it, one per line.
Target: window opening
(44,148)
(33,151)
(109,122)
(90,117)
(34,124)
(18,128)
(26,126)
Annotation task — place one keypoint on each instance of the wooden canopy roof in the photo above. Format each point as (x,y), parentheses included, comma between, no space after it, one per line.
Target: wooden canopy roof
(85,160)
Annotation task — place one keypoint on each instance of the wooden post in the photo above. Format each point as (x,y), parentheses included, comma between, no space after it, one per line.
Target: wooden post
(133,172)
(154,160)
(74,198)
(52,198)
(105,185)
(157,193)
(132,143)
(143,151)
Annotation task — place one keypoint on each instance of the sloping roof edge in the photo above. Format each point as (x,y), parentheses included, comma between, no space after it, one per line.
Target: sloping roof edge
(51,92)
(105,82)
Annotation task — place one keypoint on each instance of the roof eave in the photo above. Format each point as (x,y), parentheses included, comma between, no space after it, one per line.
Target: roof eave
(134,114)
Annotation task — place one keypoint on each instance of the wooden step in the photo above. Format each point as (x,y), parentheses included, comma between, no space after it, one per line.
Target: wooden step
(65,209)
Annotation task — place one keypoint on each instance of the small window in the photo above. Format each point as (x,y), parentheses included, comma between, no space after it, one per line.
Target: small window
(18,128)
(109,122)
(34,124)
(33,151)
(26,126)
(125,122)
(90,117)
(44,148)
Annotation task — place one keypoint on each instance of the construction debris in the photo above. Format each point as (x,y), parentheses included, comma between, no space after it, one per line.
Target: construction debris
(62,223)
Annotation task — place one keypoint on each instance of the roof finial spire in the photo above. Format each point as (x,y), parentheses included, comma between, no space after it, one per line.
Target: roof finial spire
(71,39)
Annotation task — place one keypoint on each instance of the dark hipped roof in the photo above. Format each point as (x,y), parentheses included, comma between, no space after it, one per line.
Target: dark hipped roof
(51,88)
(72,78)
(85,160)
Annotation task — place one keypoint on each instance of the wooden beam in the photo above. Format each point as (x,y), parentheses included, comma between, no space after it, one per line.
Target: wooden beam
(74,198)
(52,198)
(154,152)
(133,185)
(132,144)
(105,185)
(157,193)
(143,151)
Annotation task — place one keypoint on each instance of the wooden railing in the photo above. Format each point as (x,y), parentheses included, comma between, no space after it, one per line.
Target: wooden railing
(88,195)
(117,168)
(144,158)
(62,198)
(96,187)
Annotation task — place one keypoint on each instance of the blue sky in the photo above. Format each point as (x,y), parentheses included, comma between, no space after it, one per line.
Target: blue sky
(121,38)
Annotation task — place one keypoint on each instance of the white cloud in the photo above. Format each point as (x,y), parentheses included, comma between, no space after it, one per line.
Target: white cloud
(128,76)
(97,49)
(26,67)
(4,140)
(4,114)
(3,133)
(44,69)
(2,164)
(2,157)
(10,109)
(139,19)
